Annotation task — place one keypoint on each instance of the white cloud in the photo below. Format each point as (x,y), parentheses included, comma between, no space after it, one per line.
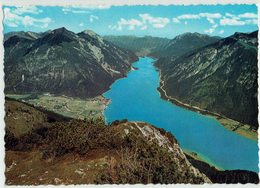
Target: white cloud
(211,20)
(247,15)
(130,24)
(93,7)
(27,10)
(159,25)
(81,24)
(29,21)
(215,26)
(210,15)
(239,20)
(144,27)
(231,21)
(212,29)
(92,18)
(221,31)
(229,15)
(200,15)
(142,23)
(12,24)
(252,21)
(75,10)
(11,19)
(83,9)
(156,22)
(14,19)
(176,20)
(188,16)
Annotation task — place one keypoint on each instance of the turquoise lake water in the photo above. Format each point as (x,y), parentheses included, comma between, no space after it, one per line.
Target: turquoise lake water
(136,98)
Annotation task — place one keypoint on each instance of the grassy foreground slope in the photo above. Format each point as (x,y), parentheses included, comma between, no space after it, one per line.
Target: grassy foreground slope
(62,151)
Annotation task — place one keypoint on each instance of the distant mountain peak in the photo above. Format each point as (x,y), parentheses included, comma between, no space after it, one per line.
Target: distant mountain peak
(190,34)
(62,31)
(56,37)
(187,42)
(90,32)
(90,35)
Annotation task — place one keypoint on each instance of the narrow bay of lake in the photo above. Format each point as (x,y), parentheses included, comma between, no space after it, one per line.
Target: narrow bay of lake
(136,98)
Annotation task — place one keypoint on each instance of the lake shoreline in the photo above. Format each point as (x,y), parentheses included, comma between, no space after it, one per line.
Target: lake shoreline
(227,123)
(198,157)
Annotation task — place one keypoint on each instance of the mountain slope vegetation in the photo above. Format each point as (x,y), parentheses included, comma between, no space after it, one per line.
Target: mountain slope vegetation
(220,77)
(162,47)
(185,43)
(63,63)
(77,151)
(140,45)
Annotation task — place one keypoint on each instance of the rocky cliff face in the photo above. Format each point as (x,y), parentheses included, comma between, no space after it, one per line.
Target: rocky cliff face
(220,77)
(63,62)
(53,150)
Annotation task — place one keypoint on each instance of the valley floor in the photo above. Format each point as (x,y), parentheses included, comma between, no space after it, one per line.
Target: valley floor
(66,106)
(229,124)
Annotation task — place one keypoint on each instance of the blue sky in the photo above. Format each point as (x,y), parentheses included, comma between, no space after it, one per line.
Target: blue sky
(162,21)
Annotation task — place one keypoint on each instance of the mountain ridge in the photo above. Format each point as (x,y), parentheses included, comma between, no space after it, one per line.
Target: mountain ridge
(196,73)
(63,63)
(162,47)
(185,43)
(146,45)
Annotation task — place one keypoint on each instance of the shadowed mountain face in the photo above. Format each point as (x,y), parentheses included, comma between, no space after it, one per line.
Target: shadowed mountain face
(62,62)
(220,77)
